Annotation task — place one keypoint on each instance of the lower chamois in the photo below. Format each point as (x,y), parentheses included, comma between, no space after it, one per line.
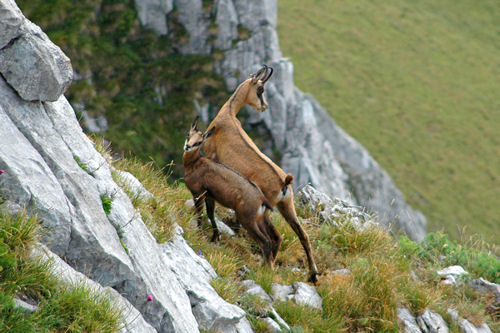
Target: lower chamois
(211,181)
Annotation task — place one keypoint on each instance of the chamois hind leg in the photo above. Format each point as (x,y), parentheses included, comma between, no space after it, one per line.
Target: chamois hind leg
(210,203)
(261,238)
(287,209)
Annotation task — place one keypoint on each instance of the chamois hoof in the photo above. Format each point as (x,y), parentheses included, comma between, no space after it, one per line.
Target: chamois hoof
(313,278)
(215,237)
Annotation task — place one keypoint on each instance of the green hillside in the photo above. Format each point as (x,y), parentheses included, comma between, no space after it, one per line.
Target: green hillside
(417,83)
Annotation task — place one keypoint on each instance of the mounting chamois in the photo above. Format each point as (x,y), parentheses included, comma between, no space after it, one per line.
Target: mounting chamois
(209,180)
(231,145)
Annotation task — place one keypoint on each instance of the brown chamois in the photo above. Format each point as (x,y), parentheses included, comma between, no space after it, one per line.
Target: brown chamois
(231,145)
(211,181)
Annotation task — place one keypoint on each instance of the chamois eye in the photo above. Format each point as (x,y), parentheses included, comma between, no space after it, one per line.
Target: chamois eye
(260,90)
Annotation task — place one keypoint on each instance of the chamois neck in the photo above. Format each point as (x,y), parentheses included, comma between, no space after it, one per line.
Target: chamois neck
(189,158)
(237,100)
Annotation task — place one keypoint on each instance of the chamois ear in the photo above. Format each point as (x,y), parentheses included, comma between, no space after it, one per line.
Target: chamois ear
(256,76)
(195,121)
(209,133)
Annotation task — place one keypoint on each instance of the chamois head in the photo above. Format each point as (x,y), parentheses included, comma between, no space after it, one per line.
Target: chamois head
(256,81)
(196,137)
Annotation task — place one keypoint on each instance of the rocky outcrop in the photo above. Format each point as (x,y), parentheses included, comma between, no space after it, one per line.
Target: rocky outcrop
(312,146)
(33,66)
(51,167)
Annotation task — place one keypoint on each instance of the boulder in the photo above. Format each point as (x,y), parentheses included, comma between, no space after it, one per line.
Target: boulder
(409,324)
(431,322)
(452,274)
(467,327)
(300,292)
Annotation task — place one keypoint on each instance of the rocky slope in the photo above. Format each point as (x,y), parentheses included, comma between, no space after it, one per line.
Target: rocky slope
(53,169)
(311,145)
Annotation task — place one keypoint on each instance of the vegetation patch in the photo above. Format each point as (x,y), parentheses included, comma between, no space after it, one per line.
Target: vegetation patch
(107,203)
(61,308)
(385,271)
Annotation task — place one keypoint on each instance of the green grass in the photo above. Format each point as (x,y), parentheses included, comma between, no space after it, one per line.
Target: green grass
(415,82)
(386,272)
(61,308)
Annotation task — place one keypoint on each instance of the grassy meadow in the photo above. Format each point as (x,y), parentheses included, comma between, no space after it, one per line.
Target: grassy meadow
(417,83)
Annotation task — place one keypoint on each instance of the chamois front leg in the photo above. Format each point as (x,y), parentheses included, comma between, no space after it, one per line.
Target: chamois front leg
(210,203)
(198,206)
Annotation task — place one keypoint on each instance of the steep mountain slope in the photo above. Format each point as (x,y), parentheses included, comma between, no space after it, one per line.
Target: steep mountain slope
(148,85)
(417,84)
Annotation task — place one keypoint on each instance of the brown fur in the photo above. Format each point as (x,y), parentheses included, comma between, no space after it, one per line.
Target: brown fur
(209,180)
(231,145)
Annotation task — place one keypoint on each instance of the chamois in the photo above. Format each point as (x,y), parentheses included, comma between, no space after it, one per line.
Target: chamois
(231,145)
(209,180)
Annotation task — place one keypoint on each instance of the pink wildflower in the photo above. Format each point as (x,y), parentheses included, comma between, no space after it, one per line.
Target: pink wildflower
(2,171)
(150,298)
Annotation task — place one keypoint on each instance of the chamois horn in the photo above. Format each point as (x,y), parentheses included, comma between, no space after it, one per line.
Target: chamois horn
(255,76)
(195,122)
(267,75)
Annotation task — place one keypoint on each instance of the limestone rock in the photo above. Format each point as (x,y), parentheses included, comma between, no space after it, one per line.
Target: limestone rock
(485,286)
(453,313)
(254,289)
(452,274)
(19,303)
(273,326)
(153,14)
(11,19)
(467,327)
(330,210)
(281,292)
(194,274)
(300,292)
(306,295)
(132,320)
(134,185)
(408,321)
(432,322)
(36,68)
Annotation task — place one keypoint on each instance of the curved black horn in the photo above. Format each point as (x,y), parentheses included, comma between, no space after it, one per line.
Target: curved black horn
(195,121)
(255,76)
(267,75)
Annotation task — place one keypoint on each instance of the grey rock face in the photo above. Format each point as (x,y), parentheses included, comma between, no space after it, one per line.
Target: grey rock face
(36,68)
(153,14)
(194,274)
(432,322)
(467,327)
(408,321)
(11,19)
(134,185)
